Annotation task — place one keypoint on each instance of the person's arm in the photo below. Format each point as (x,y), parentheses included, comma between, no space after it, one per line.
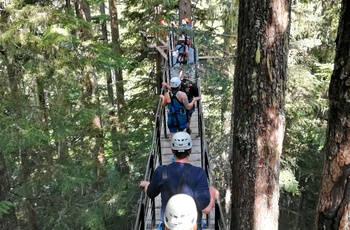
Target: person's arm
(152,188)
(173,24)
(205,195)
(186,49)
(165,99)
(176,48)
(144,184)
(214,195)
(166,85)
(183,98)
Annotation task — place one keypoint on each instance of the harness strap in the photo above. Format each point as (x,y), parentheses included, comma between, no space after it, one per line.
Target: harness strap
(173,96)
(182,179)
(182,54)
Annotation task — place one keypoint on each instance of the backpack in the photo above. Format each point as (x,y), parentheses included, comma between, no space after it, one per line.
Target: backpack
(182,58)
(186,88)
(177,116)
(179,189)
(187,38)
(190,88)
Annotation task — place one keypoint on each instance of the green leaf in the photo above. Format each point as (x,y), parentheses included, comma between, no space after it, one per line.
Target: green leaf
(5,206)
(288,182)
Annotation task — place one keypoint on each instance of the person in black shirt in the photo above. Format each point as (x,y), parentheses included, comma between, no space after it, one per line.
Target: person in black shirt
(191,90)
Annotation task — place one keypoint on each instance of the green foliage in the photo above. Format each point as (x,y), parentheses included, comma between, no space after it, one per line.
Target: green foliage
(48,119)
(43,58)
(310,68)
(5,206)
(288,182)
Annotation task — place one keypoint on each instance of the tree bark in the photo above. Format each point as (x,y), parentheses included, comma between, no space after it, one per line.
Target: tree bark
(82,9)
(29,203)
(116,44)
(104,34)
(334,196)
(185,10)
(121,154)
(259,114)
(9,220)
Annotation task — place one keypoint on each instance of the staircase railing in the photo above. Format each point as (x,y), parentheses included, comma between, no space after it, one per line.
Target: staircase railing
(220,223)
(146,204)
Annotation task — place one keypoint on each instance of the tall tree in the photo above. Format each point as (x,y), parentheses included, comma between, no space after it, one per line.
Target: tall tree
(259,113)
(121,155)
(116,45)
(82,9)
(9,220)
(334,197)
(185,10)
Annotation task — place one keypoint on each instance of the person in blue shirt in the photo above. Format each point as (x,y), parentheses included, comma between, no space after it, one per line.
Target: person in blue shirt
(182,49)
(185,23)
(181,177)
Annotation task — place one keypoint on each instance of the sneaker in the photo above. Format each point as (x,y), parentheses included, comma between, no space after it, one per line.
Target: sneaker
(189,131)
(201,225)
(160,226)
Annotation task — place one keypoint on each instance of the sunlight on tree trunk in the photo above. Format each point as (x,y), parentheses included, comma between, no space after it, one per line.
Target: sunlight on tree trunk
(259,114)
(186,10)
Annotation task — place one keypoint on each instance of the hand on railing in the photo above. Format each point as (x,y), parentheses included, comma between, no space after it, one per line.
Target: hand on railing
(144,185)
(196,98)
(214,192)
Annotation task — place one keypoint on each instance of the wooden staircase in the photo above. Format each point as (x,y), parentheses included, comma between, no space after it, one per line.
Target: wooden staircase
(195,159)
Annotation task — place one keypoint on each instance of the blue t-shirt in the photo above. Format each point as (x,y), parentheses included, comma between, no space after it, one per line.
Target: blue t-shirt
(195,185)
(181,48)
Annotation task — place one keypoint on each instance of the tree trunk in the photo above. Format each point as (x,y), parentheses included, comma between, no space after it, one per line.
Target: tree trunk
(41,99)
(9,220)
(26,172)
(185,10)
(334,196)
(116,44)
(104,34)
(82,9)
(121,155)
(259,114)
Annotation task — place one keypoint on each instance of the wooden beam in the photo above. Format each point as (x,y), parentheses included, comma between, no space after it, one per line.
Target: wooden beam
(207,57)
(161,51)
(163,42)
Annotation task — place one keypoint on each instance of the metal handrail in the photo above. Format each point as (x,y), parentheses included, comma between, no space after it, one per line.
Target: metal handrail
(154,157)
(220,223)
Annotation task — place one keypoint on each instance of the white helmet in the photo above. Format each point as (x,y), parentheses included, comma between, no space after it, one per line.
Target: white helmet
(180,213)
(181,141)
(182,38)
(175,82)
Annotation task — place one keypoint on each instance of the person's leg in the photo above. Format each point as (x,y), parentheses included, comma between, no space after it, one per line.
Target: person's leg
(172,131)
(189,116)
